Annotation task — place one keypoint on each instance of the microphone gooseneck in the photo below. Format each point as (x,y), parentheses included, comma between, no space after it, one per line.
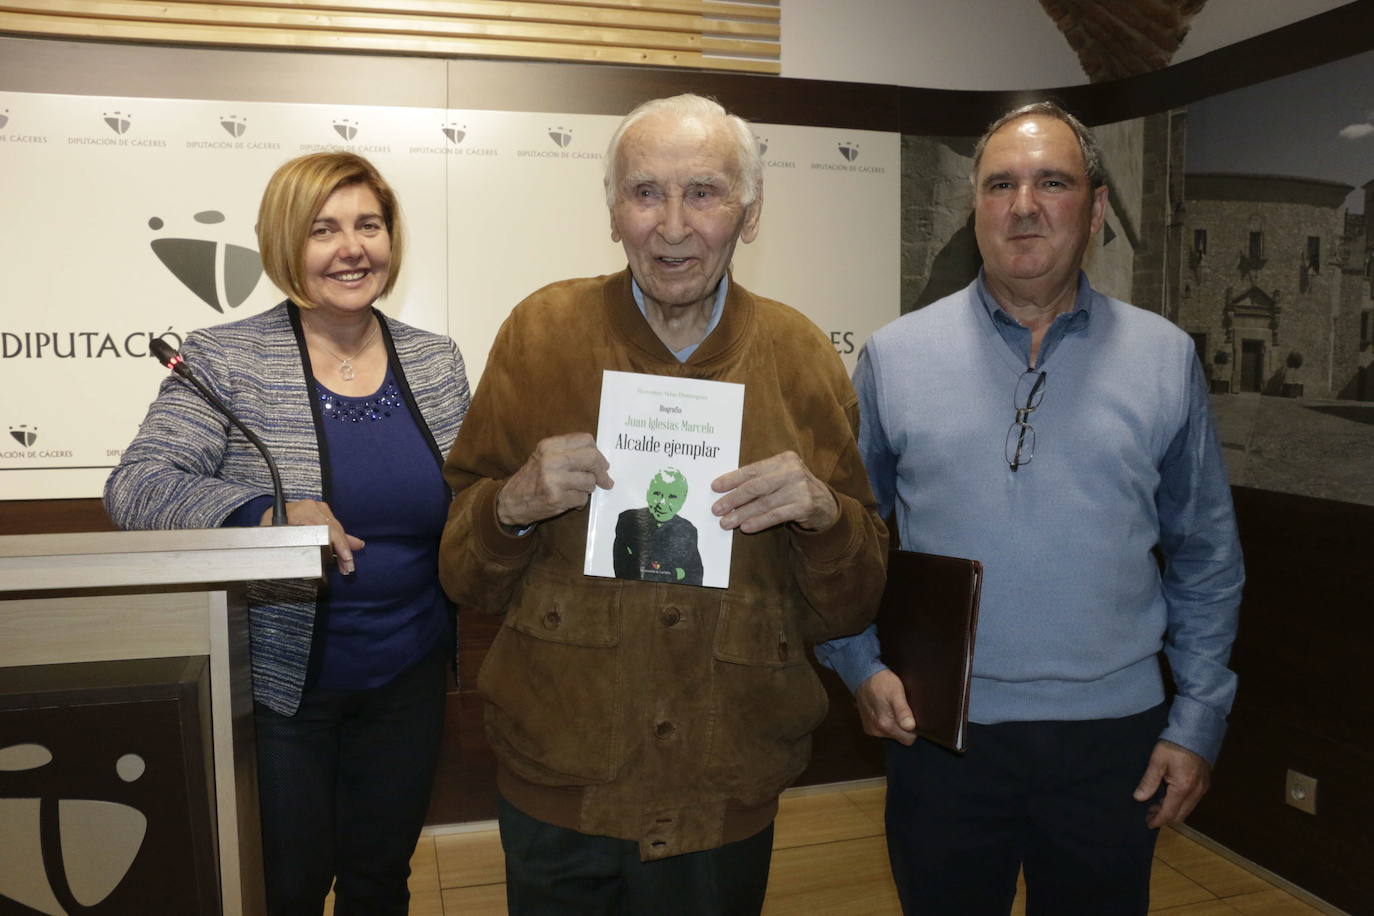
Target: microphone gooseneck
(169,357)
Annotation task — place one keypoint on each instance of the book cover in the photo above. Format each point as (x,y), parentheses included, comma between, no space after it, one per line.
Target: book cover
(666,439)
(927,626)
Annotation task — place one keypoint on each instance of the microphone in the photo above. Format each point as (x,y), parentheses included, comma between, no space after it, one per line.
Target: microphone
(169,357)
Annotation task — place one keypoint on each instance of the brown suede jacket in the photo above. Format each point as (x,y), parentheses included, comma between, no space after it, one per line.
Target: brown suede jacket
(670,715)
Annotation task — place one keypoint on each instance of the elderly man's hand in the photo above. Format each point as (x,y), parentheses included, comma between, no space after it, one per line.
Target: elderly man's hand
(772,492)
(1186,778)
(883,708)
(559,476)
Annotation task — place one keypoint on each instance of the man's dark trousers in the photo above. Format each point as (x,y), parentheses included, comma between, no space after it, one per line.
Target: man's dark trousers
(1052,797)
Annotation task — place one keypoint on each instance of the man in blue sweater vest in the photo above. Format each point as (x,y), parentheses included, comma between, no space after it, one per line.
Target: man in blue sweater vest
(1064,439)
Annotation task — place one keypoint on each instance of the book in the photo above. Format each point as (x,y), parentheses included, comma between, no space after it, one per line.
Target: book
(927,624)
(666,439)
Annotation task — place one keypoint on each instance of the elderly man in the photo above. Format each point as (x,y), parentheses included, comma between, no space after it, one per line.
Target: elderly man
(1065,439)
(643,730)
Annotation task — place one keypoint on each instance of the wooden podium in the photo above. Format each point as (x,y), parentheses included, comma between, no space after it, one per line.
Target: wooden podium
(113,596)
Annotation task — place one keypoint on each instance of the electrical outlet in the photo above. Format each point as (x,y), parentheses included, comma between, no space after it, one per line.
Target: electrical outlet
(1300,791)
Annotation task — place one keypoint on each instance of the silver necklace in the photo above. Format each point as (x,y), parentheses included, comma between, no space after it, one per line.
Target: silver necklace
(346,363)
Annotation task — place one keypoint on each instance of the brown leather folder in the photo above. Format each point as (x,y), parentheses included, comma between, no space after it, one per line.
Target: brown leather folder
(926,628)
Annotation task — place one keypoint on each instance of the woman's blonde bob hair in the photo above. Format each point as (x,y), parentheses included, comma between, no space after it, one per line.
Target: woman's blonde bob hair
(295,194)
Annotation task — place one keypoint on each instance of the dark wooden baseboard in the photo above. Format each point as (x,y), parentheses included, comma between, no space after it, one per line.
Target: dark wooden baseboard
(1304,701)
(52,516)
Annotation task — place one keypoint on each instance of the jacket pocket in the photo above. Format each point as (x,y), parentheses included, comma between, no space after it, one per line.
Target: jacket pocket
(551,680)
(766,703)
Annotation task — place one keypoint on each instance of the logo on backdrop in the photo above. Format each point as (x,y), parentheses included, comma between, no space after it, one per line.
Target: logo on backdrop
(455,133)
(220,273)
(347,129)
(233,125)
(762,143)
(562,138)
(117,121)
(28,437)
(849,152)
(17,138)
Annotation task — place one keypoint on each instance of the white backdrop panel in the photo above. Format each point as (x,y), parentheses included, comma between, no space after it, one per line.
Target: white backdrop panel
(134,216)
(524,212)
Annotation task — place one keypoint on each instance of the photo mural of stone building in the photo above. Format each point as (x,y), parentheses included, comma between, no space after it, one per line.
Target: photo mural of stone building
(1274,289)
(1270,272)
(1244,219)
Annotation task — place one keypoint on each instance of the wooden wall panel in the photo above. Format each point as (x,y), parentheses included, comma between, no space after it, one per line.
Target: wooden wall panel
(52,516)
(575,89)
(722,36)
(1304,702)
(465,788)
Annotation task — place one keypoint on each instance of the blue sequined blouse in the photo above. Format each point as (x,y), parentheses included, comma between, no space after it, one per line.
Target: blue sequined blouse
(388,490)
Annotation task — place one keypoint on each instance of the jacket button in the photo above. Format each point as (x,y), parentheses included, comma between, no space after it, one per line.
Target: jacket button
(782,649)
(671,617)
(663,730)
(552,619)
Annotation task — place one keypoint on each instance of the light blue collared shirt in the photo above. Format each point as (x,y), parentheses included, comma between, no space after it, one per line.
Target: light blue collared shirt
(716,310)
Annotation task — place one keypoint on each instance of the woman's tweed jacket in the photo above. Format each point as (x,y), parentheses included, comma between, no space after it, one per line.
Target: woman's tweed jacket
(188,468)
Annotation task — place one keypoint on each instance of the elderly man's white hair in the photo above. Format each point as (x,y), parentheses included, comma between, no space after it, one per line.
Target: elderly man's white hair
(687,105)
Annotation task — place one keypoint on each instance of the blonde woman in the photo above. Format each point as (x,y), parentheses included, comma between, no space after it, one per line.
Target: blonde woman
(358,410)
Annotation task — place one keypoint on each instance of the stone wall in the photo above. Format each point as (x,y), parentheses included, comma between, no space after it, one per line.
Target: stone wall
(1155,286)
(939,253)
(1282,302)
(1111,259)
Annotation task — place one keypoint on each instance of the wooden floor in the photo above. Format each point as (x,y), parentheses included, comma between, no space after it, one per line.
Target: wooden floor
(830,858)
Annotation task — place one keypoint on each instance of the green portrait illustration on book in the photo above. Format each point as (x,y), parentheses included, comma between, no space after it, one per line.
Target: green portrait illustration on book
(656,543)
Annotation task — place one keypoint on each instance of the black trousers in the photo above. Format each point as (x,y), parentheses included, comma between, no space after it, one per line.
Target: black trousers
(553,871)
(1052,797)
(344,786)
